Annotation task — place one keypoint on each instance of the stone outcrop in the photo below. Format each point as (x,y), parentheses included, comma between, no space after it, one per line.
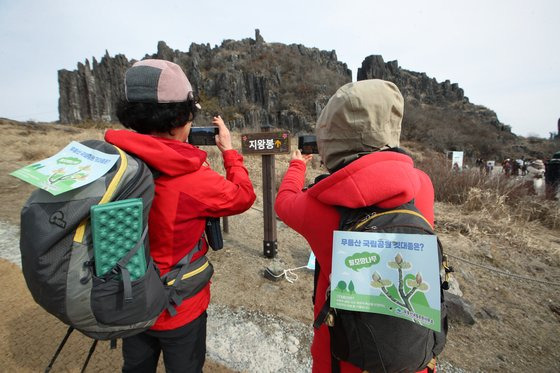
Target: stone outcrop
(413,85)
(419,90)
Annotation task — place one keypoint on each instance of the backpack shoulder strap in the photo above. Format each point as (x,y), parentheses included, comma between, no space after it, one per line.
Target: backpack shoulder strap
(108,195)
(184,264)
(315,279)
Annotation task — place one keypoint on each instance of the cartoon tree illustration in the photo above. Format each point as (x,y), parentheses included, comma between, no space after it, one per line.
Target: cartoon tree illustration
(351,287)
(341,286)
(416,284)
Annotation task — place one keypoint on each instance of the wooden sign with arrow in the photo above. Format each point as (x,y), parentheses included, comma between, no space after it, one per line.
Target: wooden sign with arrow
(266,143)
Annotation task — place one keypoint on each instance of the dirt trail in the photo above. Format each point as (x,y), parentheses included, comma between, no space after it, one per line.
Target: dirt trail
(517,325)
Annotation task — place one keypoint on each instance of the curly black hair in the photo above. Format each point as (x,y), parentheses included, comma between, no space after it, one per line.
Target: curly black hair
(146,117)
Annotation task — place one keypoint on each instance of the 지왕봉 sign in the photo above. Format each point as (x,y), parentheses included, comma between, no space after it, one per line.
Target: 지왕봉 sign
(265,143)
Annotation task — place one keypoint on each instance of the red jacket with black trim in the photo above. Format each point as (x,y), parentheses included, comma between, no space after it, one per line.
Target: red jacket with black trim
(385,179)
(187,191)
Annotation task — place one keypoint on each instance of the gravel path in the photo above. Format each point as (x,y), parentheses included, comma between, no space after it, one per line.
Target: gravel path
(9,243)
(241,340)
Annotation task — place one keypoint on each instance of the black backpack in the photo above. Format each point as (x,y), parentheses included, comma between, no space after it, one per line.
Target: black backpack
(377,342)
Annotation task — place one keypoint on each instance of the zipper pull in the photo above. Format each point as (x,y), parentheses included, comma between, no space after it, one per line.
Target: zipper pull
(364,220)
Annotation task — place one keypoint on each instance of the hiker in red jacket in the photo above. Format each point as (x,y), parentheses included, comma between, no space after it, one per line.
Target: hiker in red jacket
(160,108)
(358,137)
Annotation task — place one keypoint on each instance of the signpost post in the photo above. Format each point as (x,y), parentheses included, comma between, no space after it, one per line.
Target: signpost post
(267,144)
(225,224)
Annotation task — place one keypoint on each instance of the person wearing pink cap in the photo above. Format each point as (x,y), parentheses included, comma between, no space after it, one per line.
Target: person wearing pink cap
(159,107)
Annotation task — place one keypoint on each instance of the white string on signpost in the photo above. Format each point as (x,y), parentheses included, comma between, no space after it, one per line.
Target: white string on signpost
(289,274)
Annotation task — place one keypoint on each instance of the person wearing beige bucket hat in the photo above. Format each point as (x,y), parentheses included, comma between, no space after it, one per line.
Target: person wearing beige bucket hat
(360,118)
(358,135)
(159,108)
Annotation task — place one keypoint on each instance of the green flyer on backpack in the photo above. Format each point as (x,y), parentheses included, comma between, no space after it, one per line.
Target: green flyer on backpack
(74,166)
(395,274)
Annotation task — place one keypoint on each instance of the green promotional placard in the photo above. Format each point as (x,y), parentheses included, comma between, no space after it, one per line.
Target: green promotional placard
(394,274)
(74,166)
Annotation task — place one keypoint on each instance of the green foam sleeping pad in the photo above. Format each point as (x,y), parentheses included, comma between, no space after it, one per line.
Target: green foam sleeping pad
(116,228)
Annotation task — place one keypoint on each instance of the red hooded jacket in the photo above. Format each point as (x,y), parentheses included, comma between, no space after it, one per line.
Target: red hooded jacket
(385,179)
(187,191)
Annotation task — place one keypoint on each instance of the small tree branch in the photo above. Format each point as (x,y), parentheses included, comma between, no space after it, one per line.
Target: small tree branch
(63,177)
(401,284)
(391,298)
(407,297)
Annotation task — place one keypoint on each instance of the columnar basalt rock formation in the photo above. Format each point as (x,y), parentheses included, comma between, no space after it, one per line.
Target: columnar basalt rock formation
(249,82)
(91,92)
(252,83)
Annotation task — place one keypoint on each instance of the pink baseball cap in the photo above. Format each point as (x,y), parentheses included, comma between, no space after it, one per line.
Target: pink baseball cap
(156,81)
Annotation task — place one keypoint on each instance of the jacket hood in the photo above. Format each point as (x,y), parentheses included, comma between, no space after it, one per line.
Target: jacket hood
(385,179)
(170,157)
(360,118)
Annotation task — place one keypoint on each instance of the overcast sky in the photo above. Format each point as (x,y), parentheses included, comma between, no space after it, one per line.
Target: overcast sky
(504,54)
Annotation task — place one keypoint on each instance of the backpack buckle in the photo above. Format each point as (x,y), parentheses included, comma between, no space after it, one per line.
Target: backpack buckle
(323,315)
(329,319)
(431,365)
(448,269)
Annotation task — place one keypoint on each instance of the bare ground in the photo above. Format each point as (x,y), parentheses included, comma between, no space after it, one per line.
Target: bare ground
(517,325)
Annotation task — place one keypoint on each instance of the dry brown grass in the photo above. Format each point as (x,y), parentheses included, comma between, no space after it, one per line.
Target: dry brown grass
(33,142)
(504,198)
(517,325)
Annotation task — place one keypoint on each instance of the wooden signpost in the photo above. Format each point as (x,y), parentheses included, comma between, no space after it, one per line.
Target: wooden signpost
(267,143)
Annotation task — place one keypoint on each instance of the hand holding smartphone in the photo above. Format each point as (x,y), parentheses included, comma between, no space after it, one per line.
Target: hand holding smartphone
(223,139)
(307,144)
(218,135)
(203,135)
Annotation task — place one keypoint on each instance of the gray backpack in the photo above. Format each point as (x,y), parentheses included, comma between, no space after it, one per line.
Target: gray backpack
(58,263)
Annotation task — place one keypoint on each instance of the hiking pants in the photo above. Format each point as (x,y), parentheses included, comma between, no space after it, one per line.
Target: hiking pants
(184,349)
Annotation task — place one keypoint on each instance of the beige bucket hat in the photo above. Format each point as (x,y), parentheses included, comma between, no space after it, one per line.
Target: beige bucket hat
(360,118)
(538,164)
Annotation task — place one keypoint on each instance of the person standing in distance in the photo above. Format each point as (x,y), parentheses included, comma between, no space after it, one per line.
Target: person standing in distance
(159,108)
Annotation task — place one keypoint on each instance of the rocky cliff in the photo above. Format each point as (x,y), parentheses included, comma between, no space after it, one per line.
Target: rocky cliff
(414,86)
(253,83)
(421,90)
(250,82)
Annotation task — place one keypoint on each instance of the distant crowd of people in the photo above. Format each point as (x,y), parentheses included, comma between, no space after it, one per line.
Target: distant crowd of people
(543,175)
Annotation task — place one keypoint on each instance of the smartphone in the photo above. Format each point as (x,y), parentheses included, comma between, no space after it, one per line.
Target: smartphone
(307,144)
(203,135)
